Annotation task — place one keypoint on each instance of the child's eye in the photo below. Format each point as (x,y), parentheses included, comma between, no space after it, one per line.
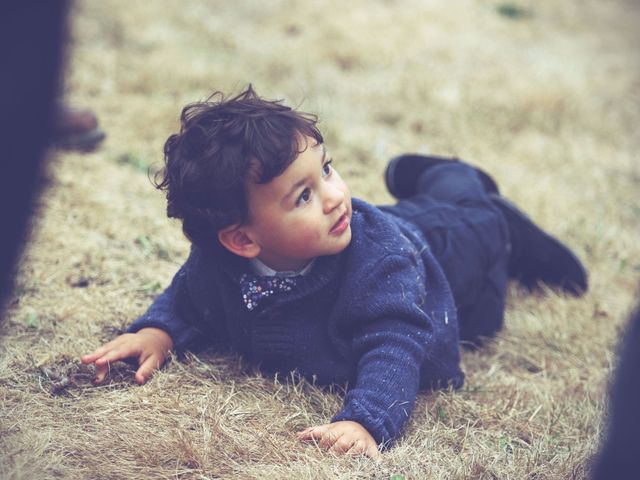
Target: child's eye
(304,197)
(326,168)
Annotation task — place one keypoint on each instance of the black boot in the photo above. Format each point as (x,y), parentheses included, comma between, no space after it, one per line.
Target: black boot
(538,257)
(403,171)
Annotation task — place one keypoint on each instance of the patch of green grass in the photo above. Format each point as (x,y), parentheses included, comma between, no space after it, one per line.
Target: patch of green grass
(151,247)
(622,264)
(144,242)
(134,161)
(513,11)
(442,414)
(505,444)
(151,287)
(31,320)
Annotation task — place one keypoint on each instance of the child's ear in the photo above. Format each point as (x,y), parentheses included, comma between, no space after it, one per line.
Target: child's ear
(235,239)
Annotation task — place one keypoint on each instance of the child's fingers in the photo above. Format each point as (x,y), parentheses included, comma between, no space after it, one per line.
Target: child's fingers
(362,447)
(118,353)
(342,444)
(358,447)
(325,437)
(311,433)
(99,352)
(150,365)
(101,373)
(109,357)
(338,442)
(372,451)
(305,434)
(320,435)
(92,357)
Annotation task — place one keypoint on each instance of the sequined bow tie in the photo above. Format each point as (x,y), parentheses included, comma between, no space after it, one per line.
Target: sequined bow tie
(256,288)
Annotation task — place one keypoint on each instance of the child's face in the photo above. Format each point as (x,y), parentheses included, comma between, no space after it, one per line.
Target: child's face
(301,214)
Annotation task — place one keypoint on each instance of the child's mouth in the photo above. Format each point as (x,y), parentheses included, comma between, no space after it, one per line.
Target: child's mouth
(340,226)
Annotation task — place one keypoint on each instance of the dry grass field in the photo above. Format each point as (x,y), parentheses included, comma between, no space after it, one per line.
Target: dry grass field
(544,95)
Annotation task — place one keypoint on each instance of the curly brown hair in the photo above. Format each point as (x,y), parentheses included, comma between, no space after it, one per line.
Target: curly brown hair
(223,144)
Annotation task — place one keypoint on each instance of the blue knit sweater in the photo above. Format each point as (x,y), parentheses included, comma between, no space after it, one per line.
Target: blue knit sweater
(379,315)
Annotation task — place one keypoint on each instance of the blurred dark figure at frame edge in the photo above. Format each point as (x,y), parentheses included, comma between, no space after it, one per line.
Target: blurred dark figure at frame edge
(619,457)
(32,37)
(31,40)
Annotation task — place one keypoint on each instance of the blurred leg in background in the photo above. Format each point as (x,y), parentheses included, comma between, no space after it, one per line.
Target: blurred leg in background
(75,128)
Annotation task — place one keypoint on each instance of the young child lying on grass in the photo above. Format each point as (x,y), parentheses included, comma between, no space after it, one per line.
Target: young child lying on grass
(296,275)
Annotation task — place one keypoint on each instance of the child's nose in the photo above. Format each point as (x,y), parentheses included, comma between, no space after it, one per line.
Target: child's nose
(333,197)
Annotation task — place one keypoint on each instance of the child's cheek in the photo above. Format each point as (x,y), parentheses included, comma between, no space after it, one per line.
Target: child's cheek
(310,235)
(306,236)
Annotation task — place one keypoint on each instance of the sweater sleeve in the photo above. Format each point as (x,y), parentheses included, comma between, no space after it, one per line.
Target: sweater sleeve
(392,334)
(174,312)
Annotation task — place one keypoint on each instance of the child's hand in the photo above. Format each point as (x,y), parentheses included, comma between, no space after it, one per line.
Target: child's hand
(149,345)
(343,437)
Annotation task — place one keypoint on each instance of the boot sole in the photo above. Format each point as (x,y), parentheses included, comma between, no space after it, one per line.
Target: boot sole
(545,258)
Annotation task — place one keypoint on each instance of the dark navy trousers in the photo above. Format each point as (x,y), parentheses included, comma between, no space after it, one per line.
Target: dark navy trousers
(469,236)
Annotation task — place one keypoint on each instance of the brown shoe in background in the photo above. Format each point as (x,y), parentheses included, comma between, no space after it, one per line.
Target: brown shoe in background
(75,128)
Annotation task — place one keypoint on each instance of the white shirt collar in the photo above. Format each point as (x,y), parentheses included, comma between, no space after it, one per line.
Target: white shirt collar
(260,268)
